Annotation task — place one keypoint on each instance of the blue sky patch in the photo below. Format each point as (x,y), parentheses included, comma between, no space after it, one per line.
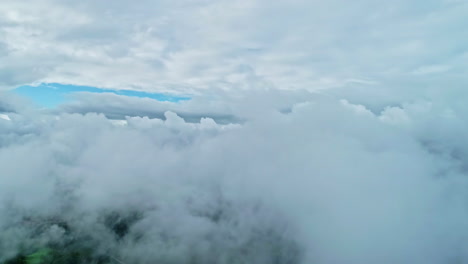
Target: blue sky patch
(53,94)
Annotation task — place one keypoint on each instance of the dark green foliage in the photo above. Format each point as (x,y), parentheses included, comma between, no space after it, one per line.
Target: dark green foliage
(65,256)
(268,243)
(120,224)
(73,248)
(19,259)
(77,257)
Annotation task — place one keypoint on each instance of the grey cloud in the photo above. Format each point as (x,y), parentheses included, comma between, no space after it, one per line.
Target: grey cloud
(119,107)
(11,103)
(224,108)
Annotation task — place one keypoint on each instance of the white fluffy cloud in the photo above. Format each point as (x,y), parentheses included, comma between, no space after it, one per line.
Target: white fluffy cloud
(328,181)
(255,44)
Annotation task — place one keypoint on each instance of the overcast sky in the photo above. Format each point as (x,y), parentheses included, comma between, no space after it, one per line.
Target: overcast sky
(312,131)
(191,45)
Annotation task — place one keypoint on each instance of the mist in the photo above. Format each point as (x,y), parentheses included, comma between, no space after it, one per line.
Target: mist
(329,181)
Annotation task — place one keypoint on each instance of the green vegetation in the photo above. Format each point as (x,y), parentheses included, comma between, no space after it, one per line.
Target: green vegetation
(73,247)
(112,237)
(59,256)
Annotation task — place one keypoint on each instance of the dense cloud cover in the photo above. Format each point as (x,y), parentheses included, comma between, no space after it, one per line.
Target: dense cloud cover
(321,132)
(194,45)
(327,181)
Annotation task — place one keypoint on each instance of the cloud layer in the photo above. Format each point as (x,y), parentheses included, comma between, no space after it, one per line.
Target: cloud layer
(189,46)
(328,181)
(318,131)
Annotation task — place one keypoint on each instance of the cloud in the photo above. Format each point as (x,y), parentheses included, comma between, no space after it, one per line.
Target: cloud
(333,133)
(431,69)
(4,116)
(194,46)
(327,181)
(223,107)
